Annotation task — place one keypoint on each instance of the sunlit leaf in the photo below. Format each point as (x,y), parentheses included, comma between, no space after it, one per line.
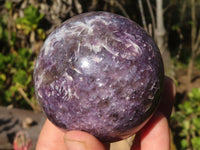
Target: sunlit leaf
(196,122)
(8,5)
(184,143)
(20,77)
(196,142)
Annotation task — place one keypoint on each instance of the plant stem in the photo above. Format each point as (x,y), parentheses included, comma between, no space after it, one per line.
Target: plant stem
(23,94)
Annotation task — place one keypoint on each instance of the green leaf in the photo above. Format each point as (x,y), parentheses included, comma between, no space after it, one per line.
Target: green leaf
(5,60)
(23,59)
(2,77)
(194,95)
(28,80)
(175,27)
(8,5)
(186,124)
(186,107)
(3,30)
(196,142)
(188,120)
(13,39)
(31,19)
(184,144)
(198,109)
(196,122)
(25,53)
(41,34)
(10,93)
(20,77)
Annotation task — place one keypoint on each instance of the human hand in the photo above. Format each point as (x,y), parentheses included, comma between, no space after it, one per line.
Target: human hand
(155,135)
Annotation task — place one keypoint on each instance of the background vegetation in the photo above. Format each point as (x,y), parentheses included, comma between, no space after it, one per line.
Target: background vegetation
(175,26)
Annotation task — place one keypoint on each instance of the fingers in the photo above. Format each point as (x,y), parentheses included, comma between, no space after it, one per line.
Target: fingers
(52,138)
(156,134)
(79,140)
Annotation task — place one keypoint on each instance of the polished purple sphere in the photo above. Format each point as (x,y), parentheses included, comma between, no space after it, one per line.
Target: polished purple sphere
(101,73)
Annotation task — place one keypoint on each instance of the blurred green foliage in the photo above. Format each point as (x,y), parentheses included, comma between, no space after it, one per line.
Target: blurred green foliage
(8,5)
(16,61)
(187,120)
(29,23)
(16,72)
(3,31)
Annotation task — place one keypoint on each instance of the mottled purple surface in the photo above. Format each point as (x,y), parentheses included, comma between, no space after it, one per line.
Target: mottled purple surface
(101,73)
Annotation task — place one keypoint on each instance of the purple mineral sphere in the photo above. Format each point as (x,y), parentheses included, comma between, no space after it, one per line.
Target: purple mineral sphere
(100,73)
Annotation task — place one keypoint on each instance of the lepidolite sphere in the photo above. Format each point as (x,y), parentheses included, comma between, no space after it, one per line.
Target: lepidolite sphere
(101,73)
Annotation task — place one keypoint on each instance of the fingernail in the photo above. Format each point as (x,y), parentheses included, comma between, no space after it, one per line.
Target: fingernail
(74,145)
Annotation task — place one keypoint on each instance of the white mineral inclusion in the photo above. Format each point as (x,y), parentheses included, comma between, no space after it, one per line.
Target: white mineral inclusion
(137,50)
(83,26)
(60,34)
(85,64)
(40,77)
(79,27)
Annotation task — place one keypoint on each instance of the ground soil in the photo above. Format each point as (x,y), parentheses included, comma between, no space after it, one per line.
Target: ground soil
(14,120)
(181,79)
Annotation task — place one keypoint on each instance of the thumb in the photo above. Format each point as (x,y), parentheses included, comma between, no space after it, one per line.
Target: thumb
(79,140)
